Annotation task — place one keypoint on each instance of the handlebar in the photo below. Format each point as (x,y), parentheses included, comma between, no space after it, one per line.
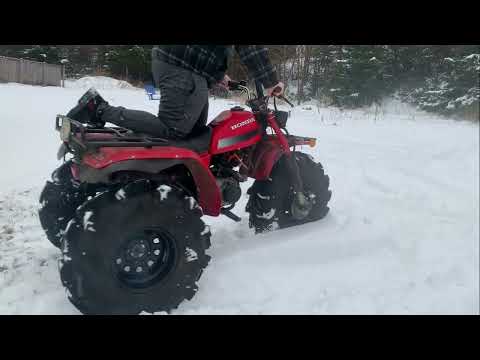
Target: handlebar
(241,85)
(235,85)
(286,100)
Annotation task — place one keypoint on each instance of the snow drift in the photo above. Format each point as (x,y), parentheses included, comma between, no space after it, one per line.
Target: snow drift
(98,82)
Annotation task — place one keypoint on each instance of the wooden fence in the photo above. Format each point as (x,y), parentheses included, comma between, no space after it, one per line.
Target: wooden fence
(30,72)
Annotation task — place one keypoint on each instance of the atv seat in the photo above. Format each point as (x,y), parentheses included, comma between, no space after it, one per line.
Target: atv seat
(198,142)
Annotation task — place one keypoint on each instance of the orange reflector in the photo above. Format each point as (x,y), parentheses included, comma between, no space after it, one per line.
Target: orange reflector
(312,142)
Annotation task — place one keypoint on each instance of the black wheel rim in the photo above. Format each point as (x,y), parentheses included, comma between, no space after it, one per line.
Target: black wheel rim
(145,258)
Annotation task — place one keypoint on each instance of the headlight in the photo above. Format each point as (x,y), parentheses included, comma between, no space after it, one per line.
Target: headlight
(65,130)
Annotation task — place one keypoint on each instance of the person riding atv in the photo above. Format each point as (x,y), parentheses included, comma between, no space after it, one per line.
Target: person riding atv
(184,74)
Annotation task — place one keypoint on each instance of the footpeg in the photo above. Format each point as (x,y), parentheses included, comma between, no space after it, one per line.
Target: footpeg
(230,215)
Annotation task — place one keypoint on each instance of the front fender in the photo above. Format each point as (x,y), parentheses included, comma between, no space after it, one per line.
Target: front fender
(265,156)
(100,165)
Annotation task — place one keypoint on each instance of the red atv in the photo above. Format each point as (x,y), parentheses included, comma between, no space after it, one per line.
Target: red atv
(126,209)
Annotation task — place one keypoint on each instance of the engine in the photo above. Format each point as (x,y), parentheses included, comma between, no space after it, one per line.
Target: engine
(228,179)
(230,190)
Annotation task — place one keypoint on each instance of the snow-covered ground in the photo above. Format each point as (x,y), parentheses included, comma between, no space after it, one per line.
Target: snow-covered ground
(99,82)
(402,236)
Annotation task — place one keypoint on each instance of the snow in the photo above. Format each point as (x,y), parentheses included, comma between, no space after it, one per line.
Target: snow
(99,82)
(164,190)
(120,194)
(193,203)
(402,236)
(268,215)
(473,56)
(191,254)
(87,224)
(466,100)
(206,230)
(263,197)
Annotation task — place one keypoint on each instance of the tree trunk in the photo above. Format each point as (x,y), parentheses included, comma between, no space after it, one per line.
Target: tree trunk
(300,50)
(304,63)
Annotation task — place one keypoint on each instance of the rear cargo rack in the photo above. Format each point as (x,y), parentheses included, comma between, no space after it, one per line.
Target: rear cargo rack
(121,137)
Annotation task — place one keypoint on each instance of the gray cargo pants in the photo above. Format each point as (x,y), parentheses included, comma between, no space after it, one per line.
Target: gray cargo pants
(183,105)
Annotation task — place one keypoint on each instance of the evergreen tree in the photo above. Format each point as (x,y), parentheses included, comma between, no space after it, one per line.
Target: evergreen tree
(131,62)
(439,78)
(357,75)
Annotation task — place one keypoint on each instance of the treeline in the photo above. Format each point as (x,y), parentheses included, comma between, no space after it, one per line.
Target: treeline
(128,62)
(439,78)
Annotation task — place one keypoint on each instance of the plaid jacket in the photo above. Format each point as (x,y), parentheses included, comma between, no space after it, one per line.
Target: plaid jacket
(210,61)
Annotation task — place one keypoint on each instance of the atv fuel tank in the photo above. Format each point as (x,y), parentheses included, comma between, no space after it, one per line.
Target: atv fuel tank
(233,130)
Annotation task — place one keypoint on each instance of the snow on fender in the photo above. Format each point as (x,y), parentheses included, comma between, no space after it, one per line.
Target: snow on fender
(87,224)
(193,203)
(120,194)
(164,190)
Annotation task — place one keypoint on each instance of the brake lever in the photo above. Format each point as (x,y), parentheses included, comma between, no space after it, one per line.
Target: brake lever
(281,96)
(286,100)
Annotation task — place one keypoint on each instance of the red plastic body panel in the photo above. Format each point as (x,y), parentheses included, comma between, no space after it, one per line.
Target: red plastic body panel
(265,156)
(233,130)
(282,139)
(209,197)
(268,152)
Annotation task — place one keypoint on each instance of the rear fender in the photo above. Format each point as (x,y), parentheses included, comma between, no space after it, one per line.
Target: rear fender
(98,167)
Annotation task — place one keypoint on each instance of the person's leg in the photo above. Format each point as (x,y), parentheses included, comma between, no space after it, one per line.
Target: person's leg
(176,86)
(183,102)
(136,120)
(202,120)
(183,97)
(202,90)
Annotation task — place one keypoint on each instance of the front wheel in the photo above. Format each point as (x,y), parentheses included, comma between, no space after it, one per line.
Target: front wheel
(270,202)
(140,248)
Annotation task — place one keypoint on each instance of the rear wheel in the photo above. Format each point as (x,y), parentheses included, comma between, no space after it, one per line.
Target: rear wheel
(270,202)
(141,248)
(59,200)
